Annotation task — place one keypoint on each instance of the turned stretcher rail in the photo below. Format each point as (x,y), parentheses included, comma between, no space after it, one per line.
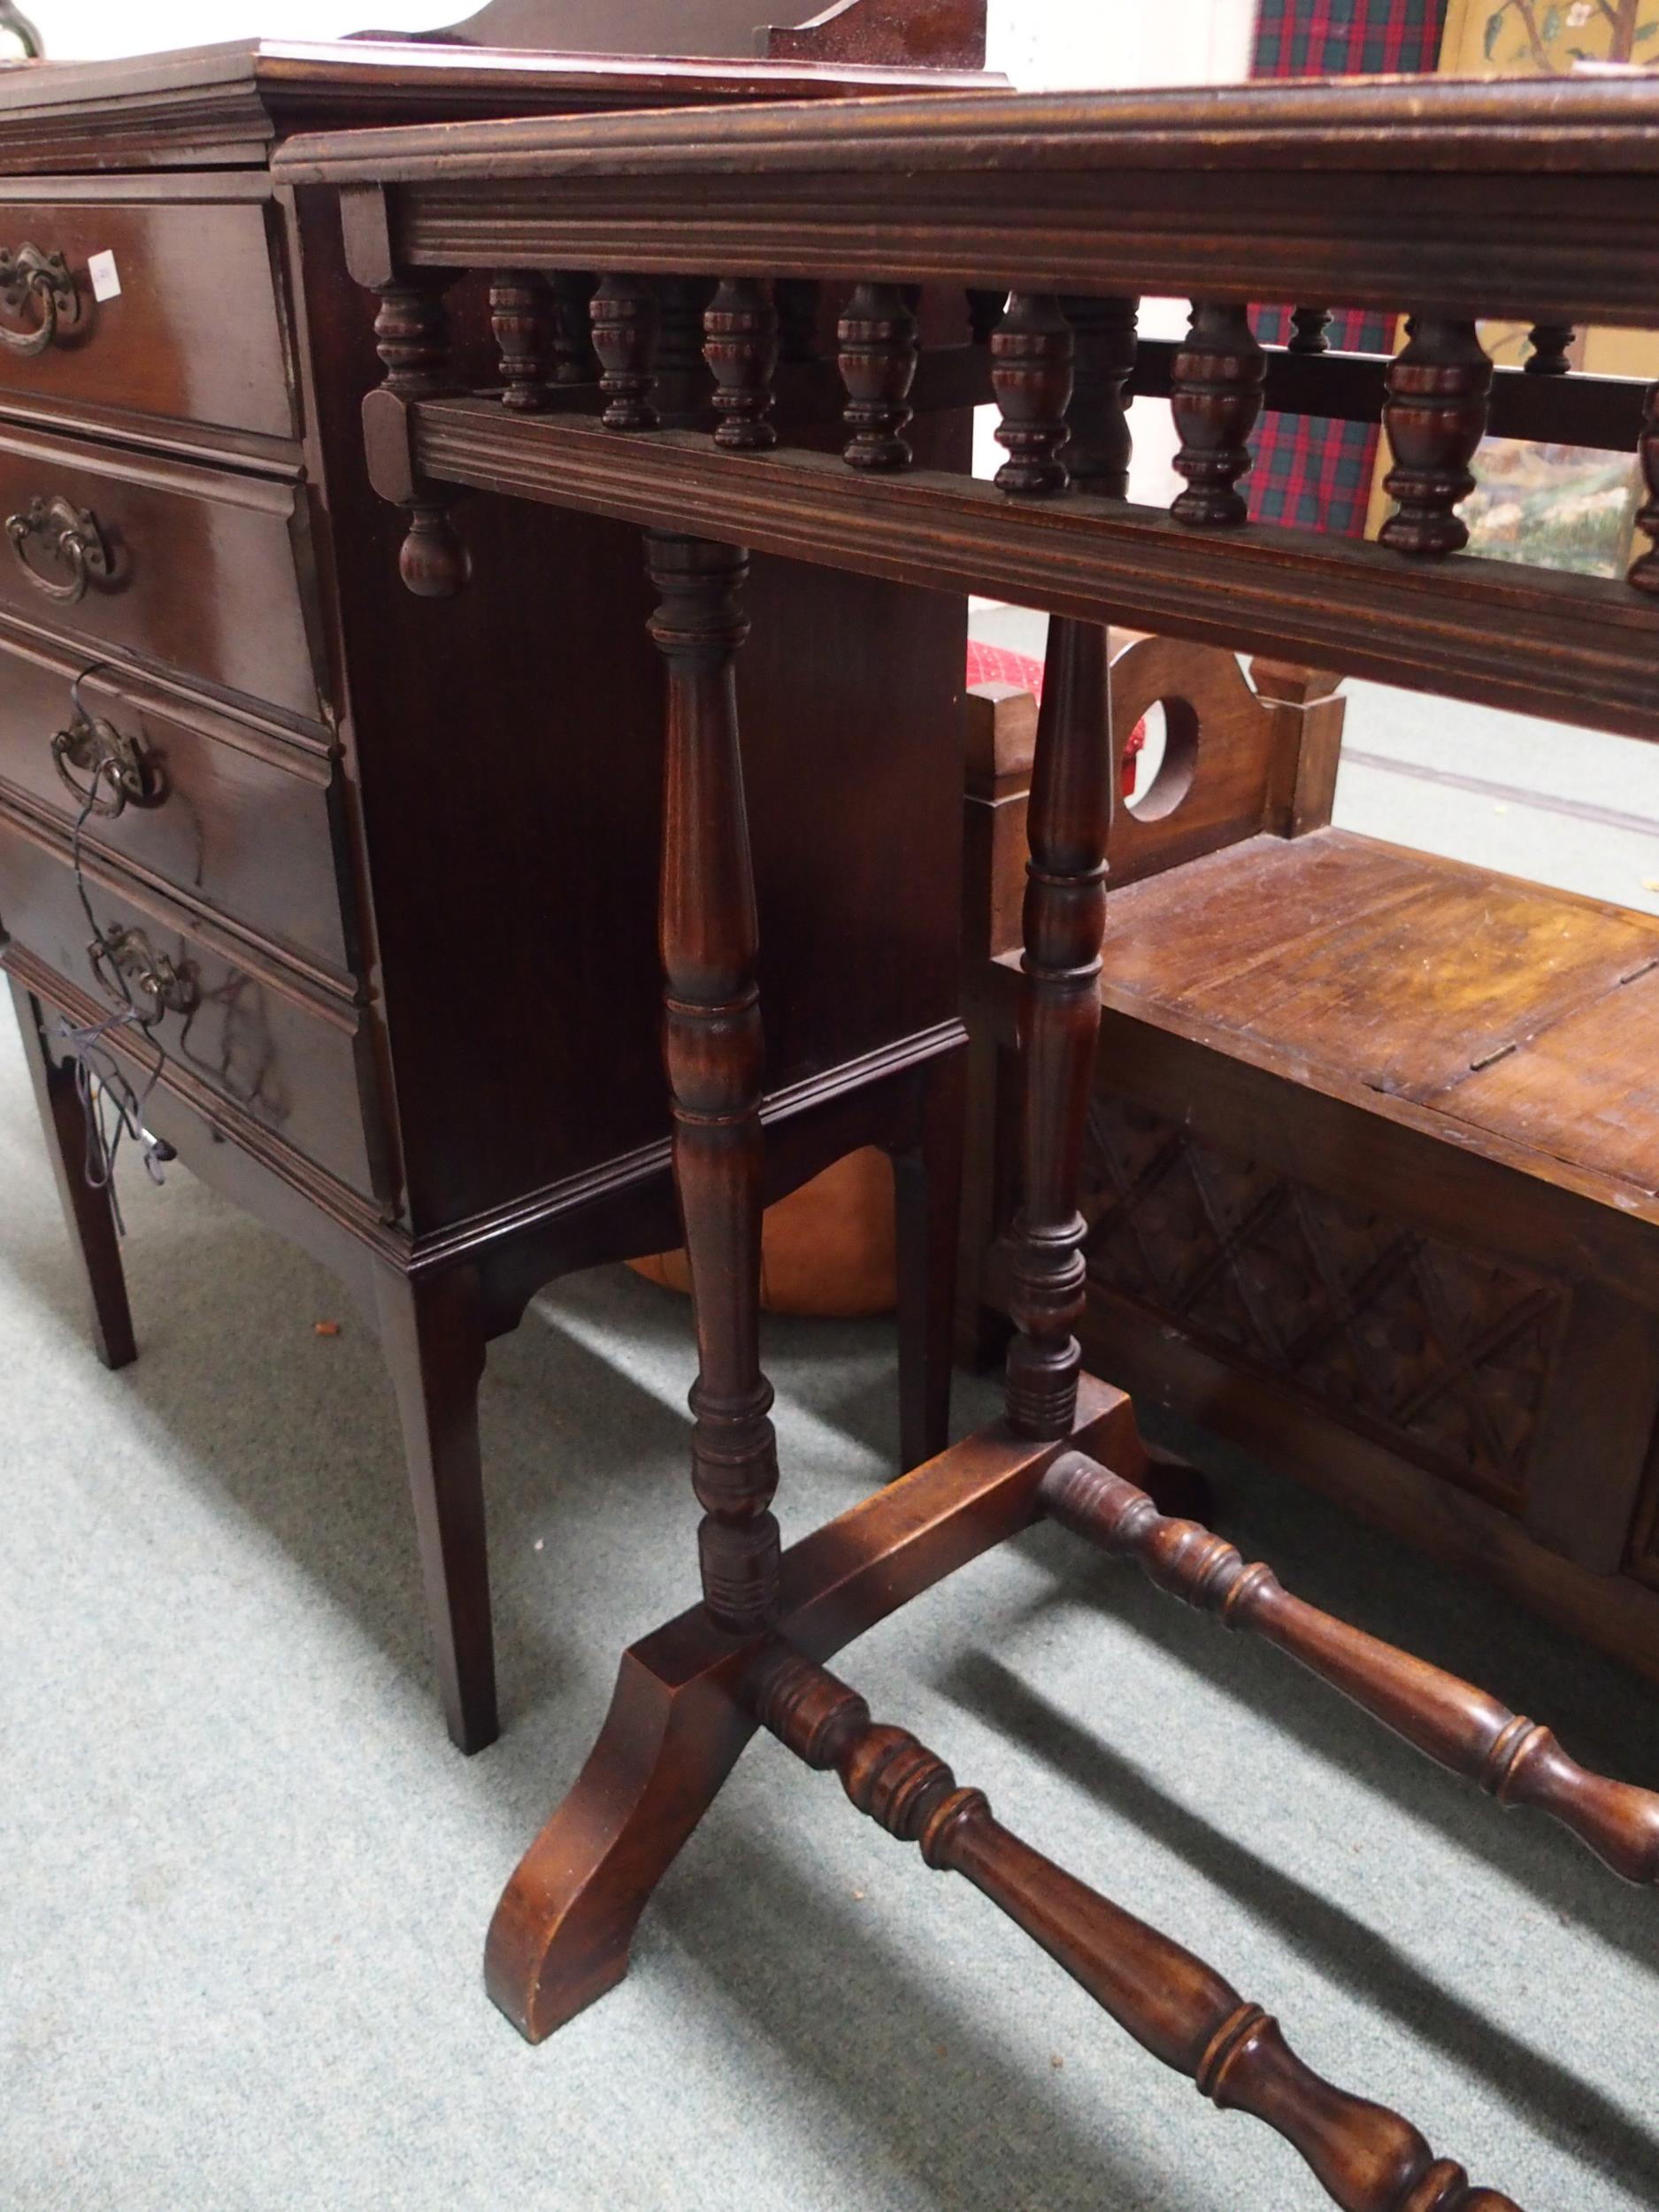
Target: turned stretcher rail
(1461,1728)
(1368,2158)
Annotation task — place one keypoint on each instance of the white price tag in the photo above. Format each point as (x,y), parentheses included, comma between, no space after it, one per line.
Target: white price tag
(106,282)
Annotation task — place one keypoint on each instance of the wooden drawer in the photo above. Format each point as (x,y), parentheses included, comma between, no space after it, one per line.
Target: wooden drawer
(291,1056)
(195,335)
(237,815)
(197,569)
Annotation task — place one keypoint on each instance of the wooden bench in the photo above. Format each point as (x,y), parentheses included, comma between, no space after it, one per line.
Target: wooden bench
(1373,1150)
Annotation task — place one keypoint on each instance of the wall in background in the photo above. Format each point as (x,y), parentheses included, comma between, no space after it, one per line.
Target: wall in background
(1038,42)
(88,30)
(1055,44)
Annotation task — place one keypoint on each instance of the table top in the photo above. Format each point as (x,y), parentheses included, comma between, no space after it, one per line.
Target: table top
(231,102)
(1449,200)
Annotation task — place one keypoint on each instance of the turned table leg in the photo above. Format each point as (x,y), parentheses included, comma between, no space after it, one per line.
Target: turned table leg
(1059,1022)
(561,1933)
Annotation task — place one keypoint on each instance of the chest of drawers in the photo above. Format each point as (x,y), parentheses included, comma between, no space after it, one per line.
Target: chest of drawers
(382,1018)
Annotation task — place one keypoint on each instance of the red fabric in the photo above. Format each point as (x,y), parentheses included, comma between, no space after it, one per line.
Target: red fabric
(994,665)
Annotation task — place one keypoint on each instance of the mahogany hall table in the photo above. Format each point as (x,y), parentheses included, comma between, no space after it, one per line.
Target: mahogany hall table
(374,932)
(1537,201)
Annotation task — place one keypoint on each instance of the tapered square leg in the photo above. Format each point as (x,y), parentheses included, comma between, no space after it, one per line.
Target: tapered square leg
(89,1210)
(927,1200)
(432,1339)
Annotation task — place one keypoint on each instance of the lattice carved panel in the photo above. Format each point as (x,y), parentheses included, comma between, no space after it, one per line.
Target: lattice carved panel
(1443,1351)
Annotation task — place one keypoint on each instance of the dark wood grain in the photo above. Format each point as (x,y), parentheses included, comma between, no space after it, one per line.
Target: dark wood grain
(241,812)
(741,346)
(431,1332)
(207,575)
(1458,1726)
(1365,2157)
(713,1047)
(1435,416)
(1063,917)
(877,334)
(89,1215)
(195,335)
(1107,349)
(936,34)
(1305,166)
(1601,411)
(521,315)
(1030,374)
(623,313)
(224,105)
(356,786)
(289,1048)
(1542,641)
(1215,397)
(678,1720)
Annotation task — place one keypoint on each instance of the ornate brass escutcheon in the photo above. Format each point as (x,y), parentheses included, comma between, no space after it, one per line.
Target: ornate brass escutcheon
(64,536)
(127,967)
(33,282)
(105,769)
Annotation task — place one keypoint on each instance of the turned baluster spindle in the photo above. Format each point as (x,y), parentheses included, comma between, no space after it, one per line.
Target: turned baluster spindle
(1644,571)
(1064,916)
(1308,326)
(1176,2007)
(712,1046)
(411,335)
(796,300)
(683,388)
(521,318)
(1032,354)
(1461,1727)
(1215,397)
(741,346)
(1435,415)
(623,316)
(1548,355)
(876,340)
(1104,334)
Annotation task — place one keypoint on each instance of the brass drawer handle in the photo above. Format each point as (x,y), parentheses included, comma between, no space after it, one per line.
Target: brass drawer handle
(69,538)
(31,280)
(106,771)
(148,980)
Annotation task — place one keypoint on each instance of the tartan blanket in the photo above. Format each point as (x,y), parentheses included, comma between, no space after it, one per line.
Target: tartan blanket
(1318,475)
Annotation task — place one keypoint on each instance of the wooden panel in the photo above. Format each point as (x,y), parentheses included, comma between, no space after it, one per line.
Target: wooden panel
(1598,1422)
(858,902)
(1255,903)
(204,575)
(224,103)
(1215,783)
(1438,1350)
(1116,193)
(285,1053)
(1404,992)
(1613,1613)
(1583,1090)
(244,815)
(1580,648)
(1408,1001)
(194,333)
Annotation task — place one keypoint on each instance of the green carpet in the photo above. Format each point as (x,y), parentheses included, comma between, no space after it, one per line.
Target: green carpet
(245,1881)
